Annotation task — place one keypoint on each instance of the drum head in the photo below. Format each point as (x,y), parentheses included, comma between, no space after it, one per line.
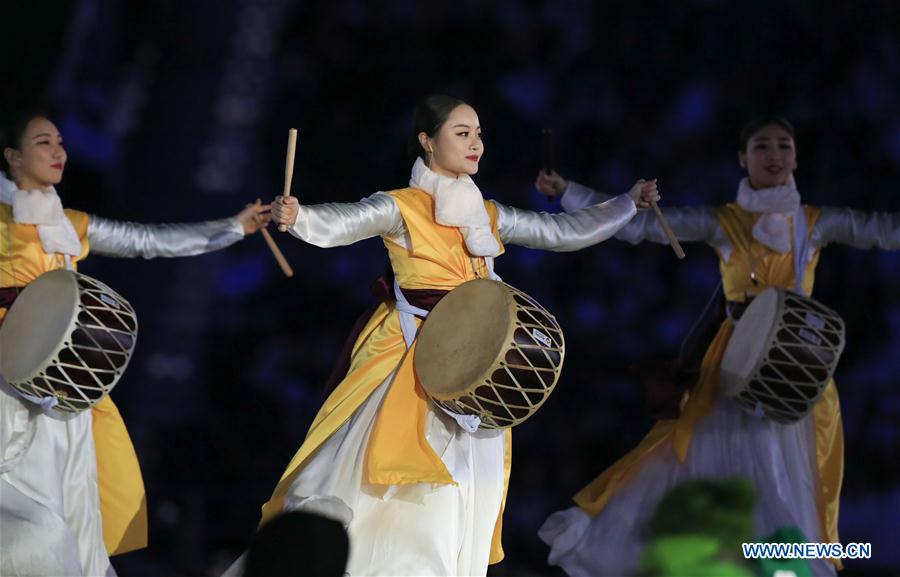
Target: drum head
(37,323)
(750,340)
(464,335)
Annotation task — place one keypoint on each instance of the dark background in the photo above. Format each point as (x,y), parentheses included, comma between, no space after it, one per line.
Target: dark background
(178,111)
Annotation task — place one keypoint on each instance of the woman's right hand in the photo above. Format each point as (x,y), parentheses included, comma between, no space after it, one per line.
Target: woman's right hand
(644,192)
(550,184)
(285,209)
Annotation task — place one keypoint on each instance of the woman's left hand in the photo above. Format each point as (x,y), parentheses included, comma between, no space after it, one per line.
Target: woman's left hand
(255,216)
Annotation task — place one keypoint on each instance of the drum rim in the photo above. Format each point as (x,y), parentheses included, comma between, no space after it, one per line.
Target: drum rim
(425,332)
(8,368)
(729,381)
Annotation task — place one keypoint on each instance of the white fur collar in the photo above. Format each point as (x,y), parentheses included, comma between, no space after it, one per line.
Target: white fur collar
(458,202)
(777,205)
(43,209)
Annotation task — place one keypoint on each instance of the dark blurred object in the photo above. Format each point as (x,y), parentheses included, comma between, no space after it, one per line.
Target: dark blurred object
(547,152)
(298,543)
(665,383)
(666,380)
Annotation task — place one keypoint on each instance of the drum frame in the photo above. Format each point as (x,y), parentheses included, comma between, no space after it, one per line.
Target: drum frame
(816,332)
(526,320)
(100,313)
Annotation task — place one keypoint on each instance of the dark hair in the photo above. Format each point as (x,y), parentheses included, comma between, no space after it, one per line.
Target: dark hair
(760,121)
(431,114)
(13,129)
(298,543)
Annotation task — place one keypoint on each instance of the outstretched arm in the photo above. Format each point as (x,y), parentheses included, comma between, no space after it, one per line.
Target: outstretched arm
(339,224)
(565,231)
(690,224)
(131,239)
(857,228)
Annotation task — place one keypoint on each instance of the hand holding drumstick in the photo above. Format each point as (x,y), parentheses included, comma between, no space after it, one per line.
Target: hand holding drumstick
(286,207)
(289,173)
(256,217)
(645,195)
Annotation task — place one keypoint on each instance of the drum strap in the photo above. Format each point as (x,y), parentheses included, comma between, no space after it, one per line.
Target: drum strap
(8,296)
(801,242)
(45,403)
(408,313)
(489,263)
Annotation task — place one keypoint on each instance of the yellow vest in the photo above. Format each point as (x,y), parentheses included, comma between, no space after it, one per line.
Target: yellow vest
(122,499)
(771,268)
(397,452)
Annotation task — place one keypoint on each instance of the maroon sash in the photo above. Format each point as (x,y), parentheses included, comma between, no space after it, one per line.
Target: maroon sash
(8,295)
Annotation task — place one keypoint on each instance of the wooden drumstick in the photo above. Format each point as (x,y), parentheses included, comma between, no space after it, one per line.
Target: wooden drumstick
(547,153)
(289,168)
(676,246)
(282,262)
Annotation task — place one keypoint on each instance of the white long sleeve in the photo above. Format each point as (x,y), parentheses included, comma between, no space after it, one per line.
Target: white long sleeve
(857,228)
(338,224)
(130,239)
(690,224)
(566,231)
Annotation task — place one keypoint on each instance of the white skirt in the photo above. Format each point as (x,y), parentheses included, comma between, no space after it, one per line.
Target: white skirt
(780,461)
(419,529)
(49,498)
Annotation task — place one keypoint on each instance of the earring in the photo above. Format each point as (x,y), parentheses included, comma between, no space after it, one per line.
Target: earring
(431,156)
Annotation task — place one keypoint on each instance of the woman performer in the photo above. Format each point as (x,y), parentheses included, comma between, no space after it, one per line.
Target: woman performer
(71,492)
(796,469)
(421,492)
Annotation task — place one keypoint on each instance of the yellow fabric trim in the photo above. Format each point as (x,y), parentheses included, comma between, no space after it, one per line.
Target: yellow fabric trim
(123,502)
(830,458)
(398,452)
(497,553)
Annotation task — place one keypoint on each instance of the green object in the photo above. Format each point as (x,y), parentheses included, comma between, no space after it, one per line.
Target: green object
(722,509)
(688,555)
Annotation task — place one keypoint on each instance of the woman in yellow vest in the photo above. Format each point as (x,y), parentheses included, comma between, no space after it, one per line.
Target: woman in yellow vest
(71,492)
(421,492)
(796,469)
